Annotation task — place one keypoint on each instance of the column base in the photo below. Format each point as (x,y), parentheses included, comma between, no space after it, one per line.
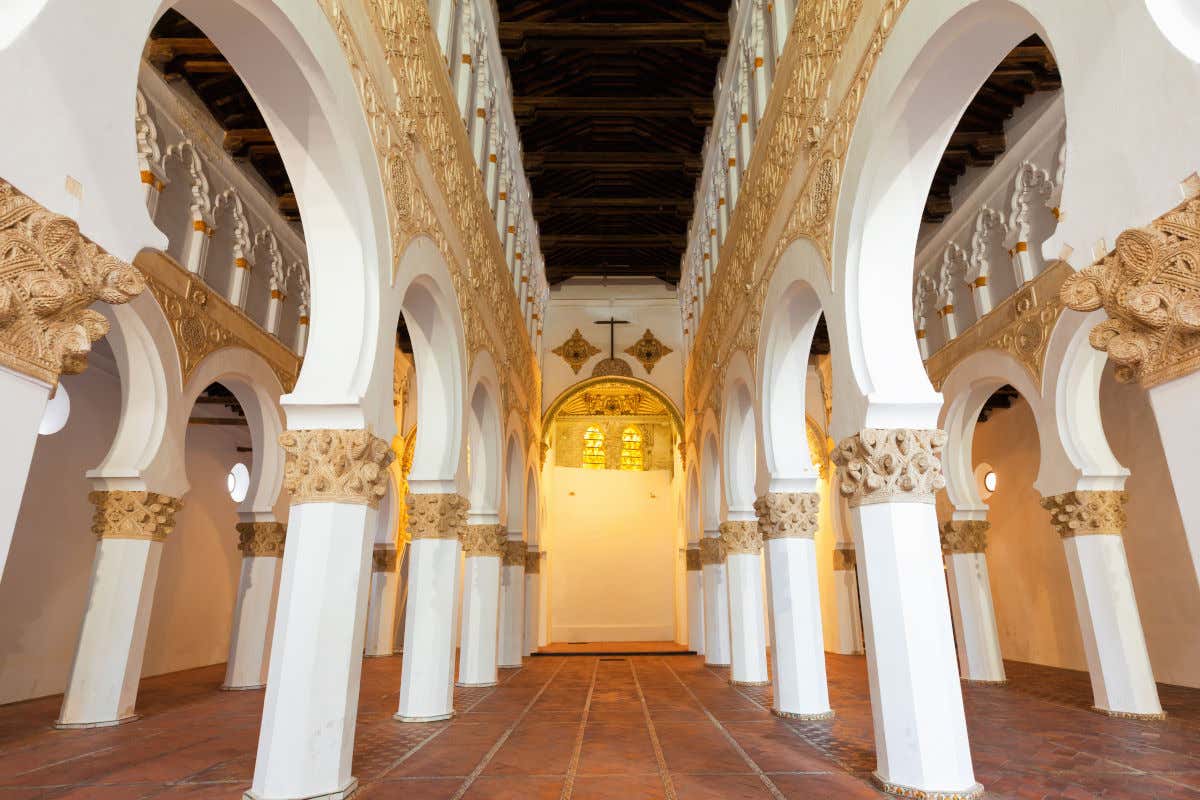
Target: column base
(243,688)
(346,791)
(510,666)
(1151,716)
(462,685)
(816,717)
(379,655)
(75,726)
(435,718)
(926,794)
(984,682)
(717,664)
(749,683)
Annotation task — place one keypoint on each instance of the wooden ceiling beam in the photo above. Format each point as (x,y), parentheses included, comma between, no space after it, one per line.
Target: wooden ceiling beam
(588,240)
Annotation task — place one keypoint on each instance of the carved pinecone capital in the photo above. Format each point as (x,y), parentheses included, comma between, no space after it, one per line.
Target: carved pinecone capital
(788,515)
(533,562)
(261,538)
(1148,288)
(899,465)
(965,536)
(335,466)
(436,516)
(483,540)
(844,559)
(1087,513)
(741,537)
(133,515)
(384,558)
(49,275)
(692,555)
(712,551)
(514,553)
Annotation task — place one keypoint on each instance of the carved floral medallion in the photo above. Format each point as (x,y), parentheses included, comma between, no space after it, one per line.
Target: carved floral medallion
(648,350)
(576,351)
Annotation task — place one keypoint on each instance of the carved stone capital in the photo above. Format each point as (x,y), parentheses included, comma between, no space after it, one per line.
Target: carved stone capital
(49,275)
(788,515)
(514,553)
(480,541)
(384,558)
(844,559)
(1149,290)
(741,537)
(436,516)
(533,562)
(335,466)
(692,556)
(1087,513)
(712,551)
(261,539)
(899,465)
(965,536)
(133,515)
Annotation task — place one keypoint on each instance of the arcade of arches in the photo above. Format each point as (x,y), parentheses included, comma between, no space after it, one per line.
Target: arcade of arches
(663,399)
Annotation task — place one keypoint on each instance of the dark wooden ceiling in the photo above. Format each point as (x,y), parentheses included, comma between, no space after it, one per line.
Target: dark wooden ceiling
(181,51)
(979,138)
(612,99)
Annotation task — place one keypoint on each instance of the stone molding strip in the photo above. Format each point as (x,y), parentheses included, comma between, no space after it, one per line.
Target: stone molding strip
(261,539)
(133,515)
(335,466)
(436,516)
(788,515)
(1087,513)
(896,465)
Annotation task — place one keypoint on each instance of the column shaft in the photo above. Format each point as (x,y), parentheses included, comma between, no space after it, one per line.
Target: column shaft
(252,616)
(480,621)
(716,601)
(797,641)
(381,607)
(24,404)
(1174,404)
(964,543)
(426,683)
(512,605)
(533,580)
(848,639)
(695,601)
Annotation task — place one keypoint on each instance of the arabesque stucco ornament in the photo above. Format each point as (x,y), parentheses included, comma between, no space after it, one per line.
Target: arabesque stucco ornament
(124,514)
(335,466)
(576,351)
(898,465)
(261,539)
(788,515)
(741,537)
(965,536)
(1087,513)
(436,516)
(483,540)
(648,350)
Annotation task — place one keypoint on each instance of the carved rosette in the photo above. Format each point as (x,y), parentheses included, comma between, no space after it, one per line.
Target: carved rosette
(648,350)
(844,559)
(965,536)
(514,553)
(133,515)
(335,466)
(384,558)
(898,465)
(1150,288)
(576,351)
(712,551)
(741,537)
(788,515)
(1087,513)
(49,275)
(261,539)
(479,541)
(692,556)
(436,516)
(533,562)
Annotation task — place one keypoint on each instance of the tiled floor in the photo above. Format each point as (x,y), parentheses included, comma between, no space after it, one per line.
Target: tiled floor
(608,727)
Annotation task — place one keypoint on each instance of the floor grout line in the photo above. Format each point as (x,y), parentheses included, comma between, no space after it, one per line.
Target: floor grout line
(664,773)
(750,762)
(495,748)
(573,767)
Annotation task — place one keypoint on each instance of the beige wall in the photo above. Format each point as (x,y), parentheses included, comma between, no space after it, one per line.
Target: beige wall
(1031,587)
(44,588)
(613,555)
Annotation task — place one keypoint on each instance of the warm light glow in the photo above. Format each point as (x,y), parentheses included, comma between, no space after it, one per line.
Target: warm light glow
(632,457)
(238,482)
(989,481)
(593,448)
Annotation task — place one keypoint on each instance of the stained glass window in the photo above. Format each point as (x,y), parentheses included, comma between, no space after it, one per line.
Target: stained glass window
(593,448)
(632,457)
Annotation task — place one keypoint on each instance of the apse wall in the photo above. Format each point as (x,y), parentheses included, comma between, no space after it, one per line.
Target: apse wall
(44,588)
(1031,587)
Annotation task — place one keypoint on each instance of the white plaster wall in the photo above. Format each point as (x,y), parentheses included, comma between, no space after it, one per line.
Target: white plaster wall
(614,555)
(44,588)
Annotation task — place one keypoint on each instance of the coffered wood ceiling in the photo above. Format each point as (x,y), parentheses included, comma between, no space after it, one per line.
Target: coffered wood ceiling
(612,99)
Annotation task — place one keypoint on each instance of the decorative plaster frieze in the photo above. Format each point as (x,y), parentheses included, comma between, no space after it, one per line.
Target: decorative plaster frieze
(123,514)
(898,465)
(261,539)
(335,466)
(965,536)
(788,515)
(436,516)
(1087,513)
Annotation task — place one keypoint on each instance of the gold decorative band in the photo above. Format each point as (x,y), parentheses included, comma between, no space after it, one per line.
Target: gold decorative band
(741,537)
(436,516)
(514,553)
(961,536)
(133,515)
(261,539)
(384,558)
(336,466)
(788,515)
(1087,513)
(479,541)
(711,551)
(692,555)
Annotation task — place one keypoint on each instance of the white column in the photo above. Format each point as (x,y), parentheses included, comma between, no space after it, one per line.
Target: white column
(1174,404)
(427,676)
(195,248)
(483,545)
(716,600)
(533,578)
(274,307)
(261,543)
(381,606)
(306,739)
(301,341)
(695,600)
(788,522)
(916,701)
(964,543)
(747,634)
(102,687)
(236,292)
(512,603)
(24,406)
(848,640)
(1091,524)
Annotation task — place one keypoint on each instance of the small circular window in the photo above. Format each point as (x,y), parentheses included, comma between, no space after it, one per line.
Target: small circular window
(58,409)
(1179,21)
(986,480)
(238,482)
